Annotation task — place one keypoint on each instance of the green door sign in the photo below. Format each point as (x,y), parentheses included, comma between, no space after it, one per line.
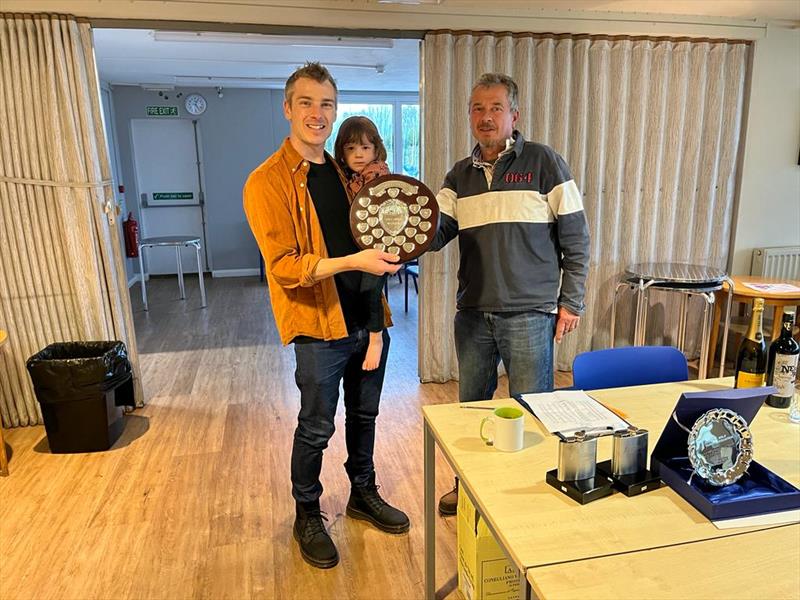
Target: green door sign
(173,195)
(162,111)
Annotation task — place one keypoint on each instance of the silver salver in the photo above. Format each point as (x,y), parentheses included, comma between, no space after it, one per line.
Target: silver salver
(720,446)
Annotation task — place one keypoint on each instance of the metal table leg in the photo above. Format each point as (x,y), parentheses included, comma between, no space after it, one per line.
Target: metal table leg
(702,369)
(638,322)
(645,311)
(642,306)
(429,471)
(682,321)
(727,326)
(200,276)
(180,272)
(620,285)
(143,276)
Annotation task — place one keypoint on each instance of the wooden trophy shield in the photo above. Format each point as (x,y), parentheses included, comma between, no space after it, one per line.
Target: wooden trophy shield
(396,214)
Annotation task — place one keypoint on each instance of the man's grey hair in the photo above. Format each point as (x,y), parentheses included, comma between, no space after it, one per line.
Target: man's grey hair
(490,79)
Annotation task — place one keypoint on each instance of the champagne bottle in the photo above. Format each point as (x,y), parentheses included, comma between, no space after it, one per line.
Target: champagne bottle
(782,363)
(751,361)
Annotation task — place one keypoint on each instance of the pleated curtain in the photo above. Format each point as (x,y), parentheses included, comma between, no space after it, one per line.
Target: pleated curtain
(61,272)
(651,129)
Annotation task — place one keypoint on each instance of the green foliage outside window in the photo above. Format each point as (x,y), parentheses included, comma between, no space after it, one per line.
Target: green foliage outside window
(410,118)
(383,116)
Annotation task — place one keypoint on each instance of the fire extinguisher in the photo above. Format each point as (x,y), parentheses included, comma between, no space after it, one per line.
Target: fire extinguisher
(130,230)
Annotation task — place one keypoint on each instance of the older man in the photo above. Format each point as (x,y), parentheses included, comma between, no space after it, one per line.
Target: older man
(524,245)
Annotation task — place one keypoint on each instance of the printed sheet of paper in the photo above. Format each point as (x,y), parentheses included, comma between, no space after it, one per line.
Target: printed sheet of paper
(568,411)
(773,288)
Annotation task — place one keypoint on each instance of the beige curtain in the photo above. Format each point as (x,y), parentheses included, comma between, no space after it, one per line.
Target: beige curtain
(651,130)
(61,271)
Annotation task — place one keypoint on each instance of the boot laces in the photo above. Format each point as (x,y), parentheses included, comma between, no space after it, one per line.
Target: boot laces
(373,498)
(313,523)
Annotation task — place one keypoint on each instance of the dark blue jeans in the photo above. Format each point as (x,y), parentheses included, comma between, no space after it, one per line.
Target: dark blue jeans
(524,340)
(321,366)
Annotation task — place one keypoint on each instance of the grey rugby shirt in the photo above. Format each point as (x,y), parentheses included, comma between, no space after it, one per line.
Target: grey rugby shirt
(518,234)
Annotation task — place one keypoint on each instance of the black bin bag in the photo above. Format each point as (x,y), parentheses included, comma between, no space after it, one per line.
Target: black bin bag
(81,388)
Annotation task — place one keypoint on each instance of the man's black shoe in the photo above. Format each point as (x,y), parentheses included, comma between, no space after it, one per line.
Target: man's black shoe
(448,504)
(365,503)
(316,545)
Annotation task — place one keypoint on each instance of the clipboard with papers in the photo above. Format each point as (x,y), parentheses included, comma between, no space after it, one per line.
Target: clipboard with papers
(563,412)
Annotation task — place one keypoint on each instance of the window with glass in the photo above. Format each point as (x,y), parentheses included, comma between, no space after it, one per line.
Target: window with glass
(397,121)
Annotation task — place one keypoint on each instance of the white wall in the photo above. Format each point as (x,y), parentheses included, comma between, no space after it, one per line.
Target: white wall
(237,133)
(769,209)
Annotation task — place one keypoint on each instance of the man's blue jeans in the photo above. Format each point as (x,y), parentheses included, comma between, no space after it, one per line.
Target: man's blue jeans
(321,366)
(524,340)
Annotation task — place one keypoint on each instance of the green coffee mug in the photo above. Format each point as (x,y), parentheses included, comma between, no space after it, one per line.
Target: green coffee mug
(509,425)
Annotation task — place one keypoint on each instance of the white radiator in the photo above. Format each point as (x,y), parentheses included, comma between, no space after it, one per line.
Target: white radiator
(781,263)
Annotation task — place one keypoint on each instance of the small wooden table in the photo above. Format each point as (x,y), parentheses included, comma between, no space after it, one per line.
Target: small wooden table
(742,293)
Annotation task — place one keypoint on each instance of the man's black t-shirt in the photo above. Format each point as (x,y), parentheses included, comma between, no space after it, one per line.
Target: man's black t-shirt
(333,210)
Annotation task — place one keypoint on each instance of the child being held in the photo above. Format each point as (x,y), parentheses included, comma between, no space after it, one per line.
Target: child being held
(359,150)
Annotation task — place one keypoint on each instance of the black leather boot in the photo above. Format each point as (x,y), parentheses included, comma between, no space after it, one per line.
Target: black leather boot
(448,504)
(365,503)
(316,545)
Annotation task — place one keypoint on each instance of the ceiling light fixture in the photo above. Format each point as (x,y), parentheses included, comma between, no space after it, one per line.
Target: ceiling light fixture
(218,81)
(272,40)
(157,87)
(378,68)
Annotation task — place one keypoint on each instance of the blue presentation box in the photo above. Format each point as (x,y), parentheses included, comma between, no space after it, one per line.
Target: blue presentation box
(758,491)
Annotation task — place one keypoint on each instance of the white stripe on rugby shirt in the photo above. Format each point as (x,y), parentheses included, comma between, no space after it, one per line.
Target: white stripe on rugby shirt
(565,198)
(446,199)
(510,206)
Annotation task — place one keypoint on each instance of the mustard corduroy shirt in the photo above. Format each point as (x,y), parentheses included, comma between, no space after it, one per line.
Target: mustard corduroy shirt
(284,222)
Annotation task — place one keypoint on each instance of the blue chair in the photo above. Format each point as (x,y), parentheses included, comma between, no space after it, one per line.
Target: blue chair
(622,367)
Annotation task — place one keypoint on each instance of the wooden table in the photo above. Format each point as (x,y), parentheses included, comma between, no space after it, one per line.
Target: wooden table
(742,293)
(707,569)
(537,526)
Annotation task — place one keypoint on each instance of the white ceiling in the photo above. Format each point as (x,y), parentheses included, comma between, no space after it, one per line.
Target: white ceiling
(134,56)
(767,10)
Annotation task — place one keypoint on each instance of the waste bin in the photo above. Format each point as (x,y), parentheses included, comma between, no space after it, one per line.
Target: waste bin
(81,388)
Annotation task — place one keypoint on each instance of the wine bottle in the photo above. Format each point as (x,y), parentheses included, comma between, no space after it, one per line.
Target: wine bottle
(751,361)
(782,363)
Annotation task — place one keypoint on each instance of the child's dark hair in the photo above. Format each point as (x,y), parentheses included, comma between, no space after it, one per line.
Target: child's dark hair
(352,131)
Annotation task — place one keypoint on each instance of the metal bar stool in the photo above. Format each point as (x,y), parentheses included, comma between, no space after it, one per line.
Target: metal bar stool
(687,280)
(178,241)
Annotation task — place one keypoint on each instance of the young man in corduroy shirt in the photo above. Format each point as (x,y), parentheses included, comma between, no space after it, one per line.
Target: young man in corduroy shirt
(297,206)
(524,246)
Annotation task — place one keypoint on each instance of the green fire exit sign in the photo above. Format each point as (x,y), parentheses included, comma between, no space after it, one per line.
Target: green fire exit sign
(162,111)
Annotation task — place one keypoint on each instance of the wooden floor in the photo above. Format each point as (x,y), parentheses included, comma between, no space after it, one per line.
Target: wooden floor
(194,500)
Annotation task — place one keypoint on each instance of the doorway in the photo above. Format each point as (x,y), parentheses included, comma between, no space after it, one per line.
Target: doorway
(168,168)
